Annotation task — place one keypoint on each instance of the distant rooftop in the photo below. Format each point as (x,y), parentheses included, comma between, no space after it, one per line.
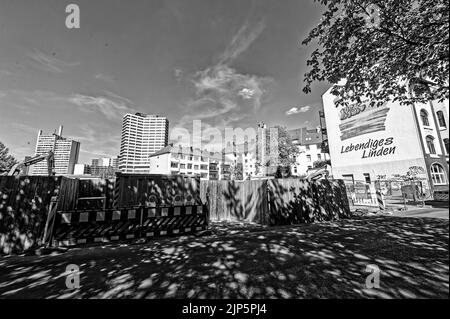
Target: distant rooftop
(305,136)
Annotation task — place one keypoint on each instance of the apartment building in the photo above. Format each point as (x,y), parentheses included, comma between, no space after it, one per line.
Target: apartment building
(309,143)
(179,161)
(142,136)
(387,142)
(66,152)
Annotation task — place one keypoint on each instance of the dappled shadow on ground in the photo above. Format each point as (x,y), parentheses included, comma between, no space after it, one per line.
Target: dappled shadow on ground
(326,260)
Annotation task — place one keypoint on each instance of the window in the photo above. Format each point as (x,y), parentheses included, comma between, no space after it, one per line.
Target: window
(367,178)
(430,144)
(189,166)
(424,117)
(441,119)
(307,147)
(308,158)
(446,145)
(349,181)
(174,165)
(182,166)
(319,156)
(438,174)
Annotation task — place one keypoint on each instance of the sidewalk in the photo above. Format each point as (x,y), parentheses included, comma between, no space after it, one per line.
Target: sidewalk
(431,211)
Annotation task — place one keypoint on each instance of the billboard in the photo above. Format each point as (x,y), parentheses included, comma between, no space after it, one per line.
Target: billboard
(361,134)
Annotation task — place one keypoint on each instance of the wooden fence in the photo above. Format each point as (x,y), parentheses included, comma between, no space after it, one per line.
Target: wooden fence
(24,204)
(25,201)
(127,191)
(275,202)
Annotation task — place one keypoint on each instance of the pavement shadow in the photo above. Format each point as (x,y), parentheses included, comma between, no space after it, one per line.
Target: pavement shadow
(327,260)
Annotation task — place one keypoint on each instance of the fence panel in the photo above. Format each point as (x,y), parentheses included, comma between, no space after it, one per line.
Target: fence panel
(84,227)
(276,201)
(24,203)
(145,190)
(235,200)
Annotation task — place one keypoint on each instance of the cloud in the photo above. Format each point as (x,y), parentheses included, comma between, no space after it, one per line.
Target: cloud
(50,62)
(242,41)
(104,77)
(246,93)
(97,142)
(222,91)
(5,73)
(178,73)
(223,95)
(296,110)
(109,104)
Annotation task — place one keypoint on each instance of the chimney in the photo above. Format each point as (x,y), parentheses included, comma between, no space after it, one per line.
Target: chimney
(60,130)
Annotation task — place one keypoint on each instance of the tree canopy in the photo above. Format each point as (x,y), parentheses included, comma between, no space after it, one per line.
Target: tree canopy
(287,150)
(6,160)
(380,45)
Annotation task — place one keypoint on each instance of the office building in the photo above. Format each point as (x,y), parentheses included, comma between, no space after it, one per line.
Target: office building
(142,136)
(104,166)
(65,151)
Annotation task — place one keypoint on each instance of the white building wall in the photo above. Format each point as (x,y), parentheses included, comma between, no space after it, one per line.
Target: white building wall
(160,164)
(392,126)
(176,164)
(384,142)
(308,154)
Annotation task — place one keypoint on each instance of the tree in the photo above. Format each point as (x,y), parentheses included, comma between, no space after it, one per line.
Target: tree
(238,172)
(6,160)
(321,163)
(287,152)
(379,45)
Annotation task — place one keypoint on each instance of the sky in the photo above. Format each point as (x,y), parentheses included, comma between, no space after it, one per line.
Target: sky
(228,63)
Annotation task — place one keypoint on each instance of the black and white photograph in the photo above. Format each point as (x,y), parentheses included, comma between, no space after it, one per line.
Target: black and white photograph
(224,156)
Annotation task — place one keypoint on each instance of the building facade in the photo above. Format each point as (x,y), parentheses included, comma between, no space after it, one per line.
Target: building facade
(82,169)
(309,143)
(267,149)
(142,136)
(66,152)
(249,166)
(389,142)
(104,166)
(179,161)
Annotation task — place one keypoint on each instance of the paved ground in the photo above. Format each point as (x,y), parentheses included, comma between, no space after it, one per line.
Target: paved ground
(442,213)
(326,260)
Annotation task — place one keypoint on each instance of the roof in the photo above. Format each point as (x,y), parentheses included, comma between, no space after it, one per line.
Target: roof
(165,150)
(306,136)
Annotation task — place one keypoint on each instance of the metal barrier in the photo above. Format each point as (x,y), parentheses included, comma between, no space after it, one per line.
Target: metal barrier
(111,225)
